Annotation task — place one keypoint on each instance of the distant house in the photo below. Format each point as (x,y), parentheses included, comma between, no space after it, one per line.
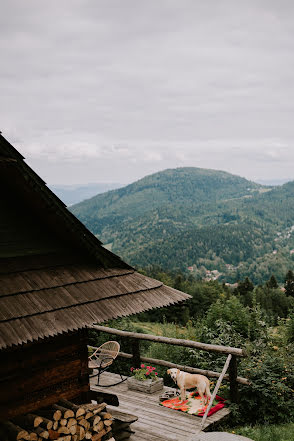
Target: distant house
(56,279)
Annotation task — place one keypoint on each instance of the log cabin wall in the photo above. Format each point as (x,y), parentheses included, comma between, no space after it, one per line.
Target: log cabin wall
(39,374)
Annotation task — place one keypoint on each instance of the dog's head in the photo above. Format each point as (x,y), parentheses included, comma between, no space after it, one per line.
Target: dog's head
(173,373)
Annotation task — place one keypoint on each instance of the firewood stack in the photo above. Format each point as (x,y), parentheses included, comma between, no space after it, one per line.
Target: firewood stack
(64,421)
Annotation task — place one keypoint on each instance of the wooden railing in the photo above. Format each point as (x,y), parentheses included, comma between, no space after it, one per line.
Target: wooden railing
(136,357)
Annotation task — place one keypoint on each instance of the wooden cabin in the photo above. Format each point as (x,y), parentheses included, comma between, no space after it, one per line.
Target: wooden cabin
(56,279)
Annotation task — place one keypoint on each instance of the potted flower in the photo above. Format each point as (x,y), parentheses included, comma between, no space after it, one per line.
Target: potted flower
(144,379)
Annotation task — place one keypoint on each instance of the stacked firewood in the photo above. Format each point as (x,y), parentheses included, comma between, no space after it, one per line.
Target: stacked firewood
(64,421)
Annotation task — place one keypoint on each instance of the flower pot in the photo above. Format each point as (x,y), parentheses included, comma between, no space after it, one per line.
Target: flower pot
(146,386)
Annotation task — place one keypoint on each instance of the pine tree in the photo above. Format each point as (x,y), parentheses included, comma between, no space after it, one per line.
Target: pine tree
(245,287)
(289,283)
(272,282)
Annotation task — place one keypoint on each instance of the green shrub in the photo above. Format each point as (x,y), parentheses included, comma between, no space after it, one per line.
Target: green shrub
(269,397)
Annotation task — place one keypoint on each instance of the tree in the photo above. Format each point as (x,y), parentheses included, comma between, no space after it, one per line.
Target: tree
(245,287)
(289,284)
(272,282)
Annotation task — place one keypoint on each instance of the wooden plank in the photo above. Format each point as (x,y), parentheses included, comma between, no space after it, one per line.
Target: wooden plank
(217,386)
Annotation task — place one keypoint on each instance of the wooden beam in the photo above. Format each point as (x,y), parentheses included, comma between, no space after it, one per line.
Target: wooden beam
(172,341)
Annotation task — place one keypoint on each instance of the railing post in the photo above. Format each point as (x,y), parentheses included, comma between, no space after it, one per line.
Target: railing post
(136,352)
(234,393)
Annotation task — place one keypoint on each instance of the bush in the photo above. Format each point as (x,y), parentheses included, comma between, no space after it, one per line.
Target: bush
(269,398)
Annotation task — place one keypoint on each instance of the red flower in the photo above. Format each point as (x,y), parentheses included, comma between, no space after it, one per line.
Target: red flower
(142,365)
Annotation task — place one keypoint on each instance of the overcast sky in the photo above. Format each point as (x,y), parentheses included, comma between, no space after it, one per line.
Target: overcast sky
(112,90)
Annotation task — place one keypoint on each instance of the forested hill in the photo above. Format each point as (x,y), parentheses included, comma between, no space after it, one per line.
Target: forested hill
(203,219)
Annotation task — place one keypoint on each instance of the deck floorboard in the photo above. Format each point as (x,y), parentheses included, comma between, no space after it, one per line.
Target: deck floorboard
(155,422)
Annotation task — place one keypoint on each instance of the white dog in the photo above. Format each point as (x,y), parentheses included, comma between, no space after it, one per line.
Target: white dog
(187,381)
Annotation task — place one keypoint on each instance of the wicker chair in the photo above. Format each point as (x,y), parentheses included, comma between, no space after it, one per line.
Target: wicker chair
(102,358)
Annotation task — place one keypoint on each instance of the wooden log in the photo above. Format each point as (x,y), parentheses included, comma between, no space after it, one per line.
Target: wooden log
(63,422)
(47,413)
(88,415)
(43,433)
(98,427)
(73,429)
(63,429)
(173,341)
(101,397)
(105,415)
(57,414)
(15,432)
(71,422)
(95,408)
(46,424)
(95,420)
(80,432)
(33,436)
(99,435)
(83,422)
(77,410)
(55,425)
(107,422)
(53,434)
(28,420)
(88,435)
(65,412)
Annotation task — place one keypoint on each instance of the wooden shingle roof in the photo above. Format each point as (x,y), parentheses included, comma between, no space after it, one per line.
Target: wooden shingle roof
(55,275)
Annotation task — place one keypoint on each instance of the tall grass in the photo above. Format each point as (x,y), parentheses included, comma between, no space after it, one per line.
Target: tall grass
(283,432)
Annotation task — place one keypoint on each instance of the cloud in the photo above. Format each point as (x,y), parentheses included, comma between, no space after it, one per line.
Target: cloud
(149,84)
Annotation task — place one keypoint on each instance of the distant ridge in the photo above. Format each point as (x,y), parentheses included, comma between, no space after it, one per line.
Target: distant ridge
(72,194)
(201,219)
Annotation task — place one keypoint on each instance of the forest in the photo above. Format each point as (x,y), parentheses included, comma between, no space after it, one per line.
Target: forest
(195,221)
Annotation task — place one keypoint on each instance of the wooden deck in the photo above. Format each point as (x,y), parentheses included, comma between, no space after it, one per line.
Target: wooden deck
(155,422)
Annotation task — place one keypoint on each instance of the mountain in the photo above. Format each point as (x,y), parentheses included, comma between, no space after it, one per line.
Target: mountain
(72,194)
(216,224)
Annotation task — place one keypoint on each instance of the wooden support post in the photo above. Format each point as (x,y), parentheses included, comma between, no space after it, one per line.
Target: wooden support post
(234,393)
(136,352)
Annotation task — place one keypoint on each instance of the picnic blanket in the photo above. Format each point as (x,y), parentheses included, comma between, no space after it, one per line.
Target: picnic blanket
(193,405)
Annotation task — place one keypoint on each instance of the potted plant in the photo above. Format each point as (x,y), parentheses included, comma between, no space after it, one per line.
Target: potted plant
(145,379)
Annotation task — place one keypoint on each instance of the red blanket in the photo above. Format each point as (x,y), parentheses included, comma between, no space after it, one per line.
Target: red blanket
(193,405)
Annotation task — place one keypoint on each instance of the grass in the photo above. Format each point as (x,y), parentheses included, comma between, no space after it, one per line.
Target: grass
(282,432)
